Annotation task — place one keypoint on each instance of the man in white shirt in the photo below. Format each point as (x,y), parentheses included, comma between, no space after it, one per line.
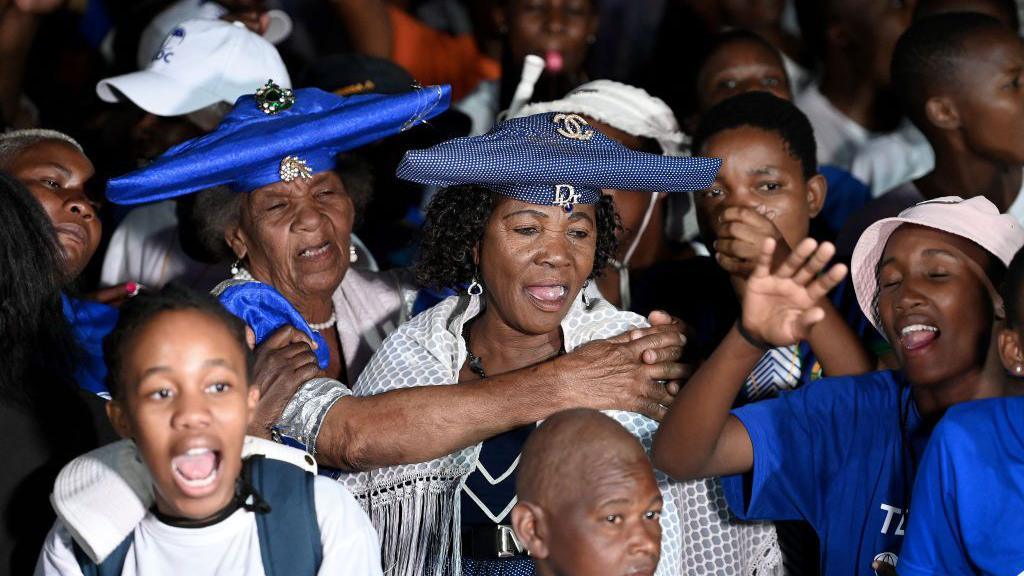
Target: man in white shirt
(192,80)
(857,124)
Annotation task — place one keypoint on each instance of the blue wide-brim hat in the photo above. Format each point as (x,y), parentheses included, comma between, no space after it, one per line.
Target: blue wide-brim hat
(553,159)
(277,135)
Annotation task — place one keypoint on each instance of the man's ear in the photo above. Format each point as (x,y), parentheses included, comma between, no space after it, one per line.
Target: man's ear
(252,398)
(118,418)
(531,529)
(817,191)
(1010,352)
(942,113)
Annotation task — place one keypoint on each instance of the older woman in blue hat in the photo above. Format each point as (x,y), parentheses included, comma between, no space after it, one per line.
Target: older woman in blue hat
(316,321)
(521,226)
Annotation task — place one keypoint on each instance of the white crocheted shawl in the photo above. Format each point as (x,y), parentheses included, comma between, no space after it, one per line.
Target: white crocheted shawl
(415,508)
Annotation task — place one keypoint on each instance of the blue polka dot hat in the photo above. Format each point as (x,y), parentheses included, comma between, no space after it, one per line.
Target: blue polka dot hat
(553,159)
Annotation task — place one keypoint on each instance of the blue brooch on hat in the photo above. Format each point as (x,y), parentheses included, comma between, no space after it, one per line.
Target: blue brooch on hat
(555,160)
(277,135)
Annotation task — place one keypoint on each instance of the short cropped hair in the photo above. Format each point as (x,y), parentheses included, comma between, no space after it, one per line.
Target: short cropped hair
(929,55)
(930,8)
(728,38)
(15,142)
(766,112)
(140,311)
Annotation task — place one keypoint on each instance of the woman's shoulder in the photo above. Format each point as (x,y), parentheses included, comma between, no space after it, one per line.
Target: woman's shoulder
(597,321)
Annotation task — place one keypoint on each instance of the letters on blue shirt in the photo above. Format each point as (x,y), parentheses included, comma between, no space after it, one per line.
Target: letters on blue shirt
(839,453)
(969,496)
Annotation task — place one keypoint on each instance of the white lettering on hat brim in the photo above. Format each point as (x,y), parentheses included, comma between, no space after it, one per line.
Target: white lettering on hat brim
(565,196)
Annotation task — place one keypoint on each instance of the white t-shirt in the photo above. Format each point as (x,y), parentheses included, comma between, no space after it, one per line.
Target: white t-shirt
(232,547)
(882,161)
(145,249)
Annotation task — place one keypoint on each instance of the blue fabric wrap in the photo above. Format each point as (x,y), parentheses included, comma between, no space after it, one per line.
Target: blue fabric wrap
(527,158)
(265,310)
(245,151)
(90,323)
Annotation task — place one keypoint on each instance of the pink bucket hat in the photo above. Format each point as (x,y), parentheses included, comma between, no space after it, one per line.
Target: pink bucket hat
(976,219)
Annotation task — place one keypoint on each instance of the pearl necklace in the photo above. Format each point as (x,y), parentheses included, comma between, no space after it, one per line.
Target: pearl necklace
(243,274)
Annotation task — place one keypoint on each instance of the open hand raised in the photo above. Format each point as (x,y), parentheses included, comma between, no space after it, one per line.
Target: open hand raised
(780,307)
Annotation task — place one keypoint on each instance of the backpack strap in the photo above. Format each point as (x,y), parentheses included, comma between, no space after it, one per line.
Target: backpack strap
(289,532)
(112,565)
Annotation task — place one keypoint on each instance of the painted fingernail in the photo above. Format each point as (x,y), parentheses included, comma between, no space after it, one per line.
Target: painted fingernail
(132,289)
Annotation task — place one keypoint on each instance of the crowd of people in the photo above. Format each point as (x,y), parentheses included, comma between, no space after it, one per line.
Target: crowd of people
(512,287)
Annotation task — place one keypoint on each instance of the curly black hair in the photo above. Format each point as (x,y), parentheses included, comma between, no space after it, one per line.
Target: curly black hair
(455,223)
(140,311)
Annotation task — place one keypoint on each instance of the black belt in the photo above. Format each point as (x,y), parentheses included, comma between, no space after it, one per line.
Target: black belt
(490,542)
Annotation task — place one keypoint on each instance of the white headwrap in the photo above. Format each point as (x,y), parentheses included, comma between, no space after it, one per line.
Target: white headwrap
(620,106)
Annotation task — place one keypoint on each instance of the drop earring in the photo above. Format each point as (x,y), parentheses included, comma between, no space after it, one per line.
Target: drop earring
(236,267)
(583,293)
(353,256)
(475,288)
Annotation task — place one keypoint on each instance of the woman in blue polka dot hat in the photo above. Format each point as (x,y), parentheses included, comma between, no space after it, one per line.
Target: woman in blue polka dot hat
(519,227)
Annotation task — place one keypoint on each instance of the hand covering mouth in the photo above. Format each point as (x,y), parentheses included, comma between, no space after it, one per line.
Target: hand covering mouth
(916,336)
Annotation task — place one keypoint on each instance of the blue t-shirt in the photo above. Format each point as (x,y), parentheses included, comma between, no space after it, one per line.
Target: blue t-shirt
(838,453)
(90,323)
(968,506)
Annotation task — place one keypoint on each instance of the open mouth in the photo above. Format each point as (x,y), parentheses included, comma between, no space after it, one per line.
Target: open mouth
(553,61)
(548,297)
(315,252)
(917,336)
(642,569)
(195,471)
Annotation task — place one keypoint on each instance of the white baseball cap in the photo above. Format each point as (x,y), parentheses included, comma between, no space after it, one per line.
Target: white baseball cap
(201,62)
(279,25)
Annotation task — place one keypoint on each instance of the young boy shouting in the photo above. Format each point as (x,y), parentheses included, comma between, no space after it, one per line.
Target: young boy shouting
(179,378)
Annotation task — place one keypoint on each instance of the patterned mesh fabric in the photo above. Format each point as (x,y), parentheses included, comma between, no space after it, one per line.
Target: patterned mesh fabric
(415,508)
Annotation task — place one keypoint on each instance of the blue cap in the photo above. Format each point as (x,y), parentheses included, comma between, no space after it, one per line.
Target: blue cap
(277,135)
(555,160)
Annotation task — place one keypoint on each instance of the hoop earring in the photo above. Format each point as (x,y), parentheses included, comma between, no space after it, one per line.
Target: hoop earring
(353,256)
(475,288)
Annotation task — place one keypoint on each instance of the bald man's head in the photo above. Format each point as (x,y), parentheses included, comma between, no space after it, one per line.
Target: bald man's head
(588,499)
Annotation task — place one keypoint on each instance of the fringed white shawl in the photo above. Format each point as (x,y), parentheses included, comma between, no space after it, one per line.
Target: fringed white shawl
(415,508)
